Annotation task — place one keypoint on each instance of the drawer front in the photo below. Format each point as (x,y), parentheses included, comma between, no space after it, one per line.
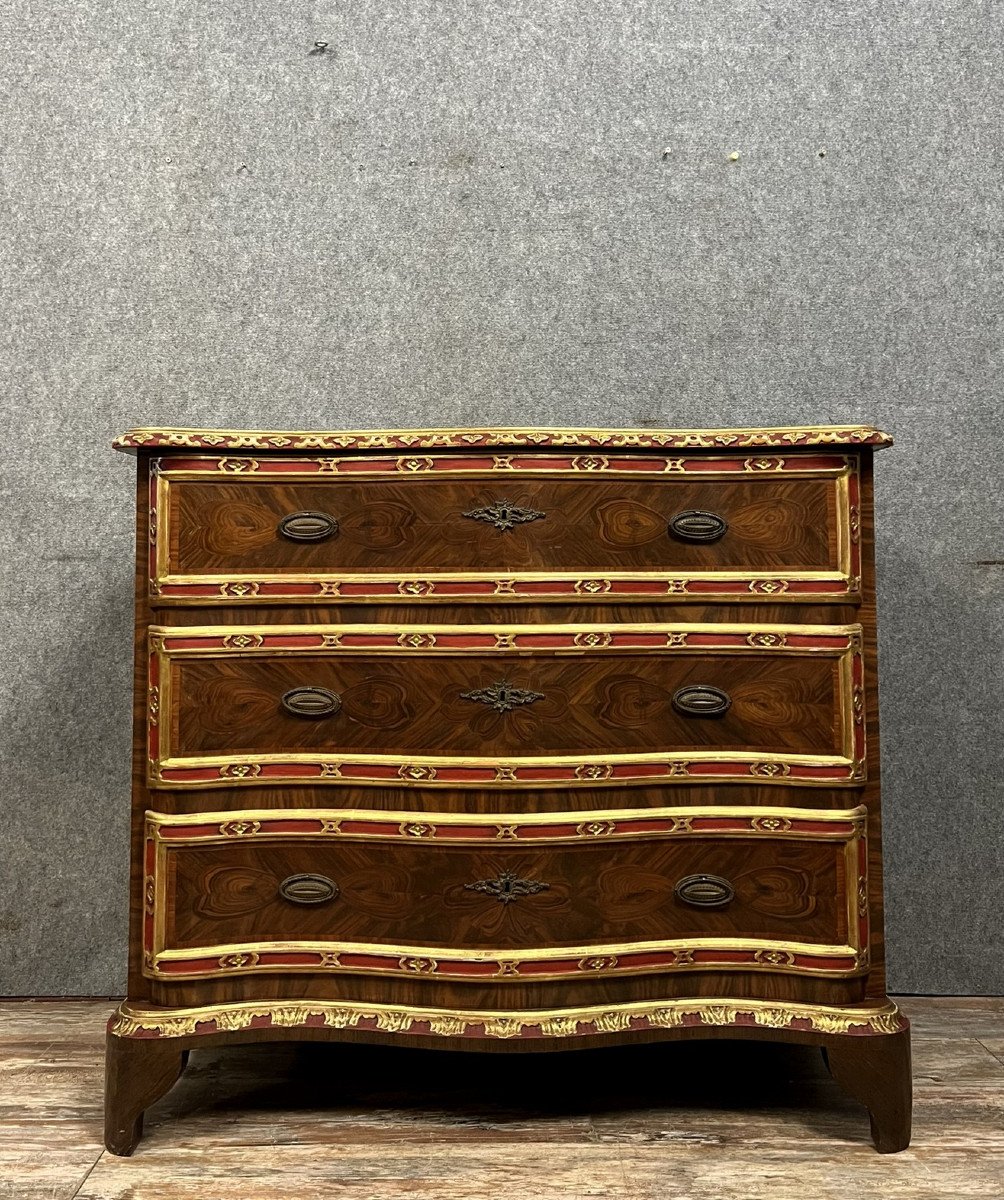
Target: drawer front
(523,526)
(530,706)
(502,897)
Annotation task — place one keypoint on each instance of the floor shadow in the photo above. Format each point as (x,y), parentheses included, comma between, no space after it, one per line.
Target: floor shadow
(464,1088)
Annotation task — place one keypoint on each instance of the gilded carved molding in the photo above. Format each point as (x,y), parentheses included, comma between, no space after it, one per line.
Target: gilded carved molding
(465,439)
(137,1021)
(634,824)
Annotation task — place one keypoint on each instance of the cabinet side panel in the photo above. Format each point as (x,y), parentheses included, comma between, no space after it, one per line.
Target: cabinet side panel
(868,617)
(138,987)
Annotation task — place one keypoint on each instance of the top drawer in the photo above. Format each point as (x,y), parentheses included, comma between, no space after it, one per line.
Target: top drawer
(522,526)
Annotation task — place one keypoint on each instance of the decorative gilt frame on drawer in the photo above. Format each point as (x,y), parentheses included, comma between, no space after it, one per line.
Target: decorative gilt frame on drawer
(842,584)
(168,643)
(536,829)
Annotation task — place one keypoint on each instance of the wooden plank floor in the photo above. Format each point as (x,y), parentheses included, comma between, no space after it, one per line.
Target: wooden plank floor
(711,1121)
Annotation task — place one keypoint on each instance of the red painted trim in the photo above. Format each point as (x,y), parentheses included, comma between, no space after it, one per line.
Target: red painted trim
(864,918)
(611,638)
(152,730)
(155,526)
(246,589)
(195,832)
(497,464)
(149,870)
(510,966)
(835,586)
(858,681)
(854,504)
(585,773)
(347,827)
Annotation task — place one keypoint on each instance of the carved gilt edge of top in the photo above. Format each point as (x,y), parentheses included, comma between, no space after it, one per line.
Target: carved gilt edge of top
(465,439)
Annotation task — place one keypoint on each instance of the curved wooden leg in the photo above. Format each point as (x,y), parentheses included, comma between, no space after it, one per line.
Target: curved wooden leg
(876,1072)
(138,1071)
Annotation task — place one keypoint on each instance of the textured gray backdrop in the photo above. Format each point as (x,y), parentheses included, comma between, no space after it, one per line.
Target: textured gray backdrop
(519,212)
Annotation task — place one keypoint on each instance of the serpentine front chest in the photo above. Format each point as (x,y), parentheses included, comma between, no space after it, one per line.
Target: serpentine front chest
(510,739)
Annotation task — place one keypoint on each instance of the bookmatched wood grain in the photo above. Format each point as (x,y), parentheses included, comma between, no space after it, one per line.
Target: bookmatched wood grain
(409,703)
(419,525)
(423,893)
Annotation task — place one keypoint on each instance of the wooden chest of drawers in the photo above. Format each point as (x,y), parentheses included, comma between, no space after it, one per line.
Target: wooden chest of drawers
(506,740)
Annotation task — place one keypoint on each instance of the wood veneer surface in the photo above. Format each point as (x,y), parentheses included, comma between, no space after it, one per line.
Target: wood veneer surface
(419,524)
(620,702)
(417,893)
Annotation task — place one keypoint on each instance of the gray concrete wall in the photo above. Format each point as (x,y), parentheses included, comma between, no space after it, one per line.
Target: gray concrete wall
(467,213)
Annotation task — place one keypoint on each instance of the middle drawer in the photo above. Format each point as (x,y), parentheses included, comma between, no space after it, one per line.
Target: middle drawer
(531,706)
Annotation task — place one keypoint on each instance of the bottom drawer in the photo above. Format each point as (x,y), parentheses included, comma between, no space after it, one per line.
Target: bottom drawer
(503,897)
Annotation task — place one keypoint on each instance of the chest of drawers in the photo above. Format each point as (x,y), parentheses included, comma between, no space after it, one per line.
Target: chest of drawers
(506,740)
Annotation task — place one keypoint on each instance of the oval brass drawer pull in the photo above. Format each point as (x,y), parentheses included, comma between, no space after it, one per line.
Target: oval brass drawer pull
(308,526)
(308,889)
(701,700)
(696,526)
(311,702)
(705,891)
